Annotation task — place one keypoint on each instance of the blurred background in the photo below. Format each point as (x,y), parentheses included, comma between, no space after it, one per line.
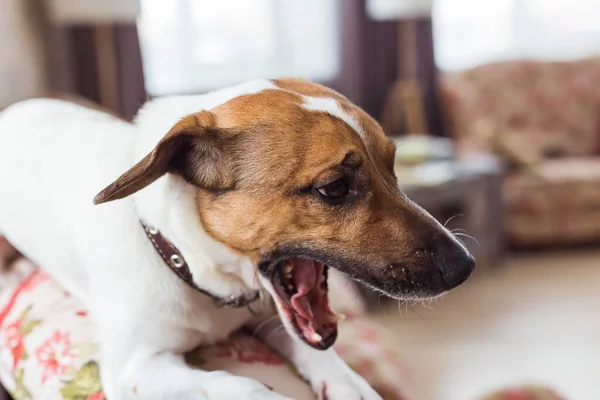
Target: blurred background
(495,106)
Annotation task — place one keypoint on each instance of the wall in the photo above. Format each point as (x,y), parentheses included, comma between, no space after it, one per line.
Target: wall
(22,56)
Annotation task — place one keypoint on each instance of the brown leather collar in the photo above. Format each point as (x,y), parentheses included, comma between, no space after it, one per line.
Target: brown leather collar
(173,258)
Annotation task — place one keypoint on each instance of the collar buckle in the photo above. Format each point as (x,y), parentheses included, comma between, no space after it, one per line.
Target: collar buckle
(175,261)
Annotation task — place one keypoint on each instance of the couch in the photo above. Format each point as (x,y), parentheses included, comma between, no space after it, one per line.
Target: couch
(543,119)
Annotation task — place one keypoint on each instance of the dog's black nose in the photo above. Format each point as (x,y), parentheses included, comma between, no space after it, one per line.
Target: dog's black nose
(457,271)
(452,259)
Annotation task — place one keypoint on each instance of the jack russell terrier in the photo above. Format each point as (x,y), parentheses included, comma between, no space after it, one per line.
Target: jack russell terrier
(231,207)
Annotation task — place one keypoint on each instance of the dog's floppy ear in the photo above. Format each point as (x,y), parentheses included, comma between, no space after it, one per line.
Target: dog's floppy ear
(194,148)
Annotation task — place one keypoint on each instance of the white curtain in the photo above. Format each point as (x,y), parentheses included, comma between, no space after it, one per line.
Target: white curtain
(473,32)
(191,46)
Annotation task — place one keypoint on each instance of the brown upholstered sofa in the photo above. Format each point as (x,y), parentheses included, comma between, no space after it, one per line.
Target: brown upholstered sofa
(543,119)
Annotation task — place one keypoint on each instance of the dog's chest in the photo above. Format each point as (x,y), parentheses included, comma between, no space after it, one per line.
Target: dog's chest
(223,322)
(181,327)
(212,324)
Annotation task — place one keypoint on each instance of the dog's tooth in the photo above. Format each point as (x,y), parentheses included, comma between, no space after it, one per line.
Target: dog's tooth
(335,318)
(290,287)
(315,337)
(287,269)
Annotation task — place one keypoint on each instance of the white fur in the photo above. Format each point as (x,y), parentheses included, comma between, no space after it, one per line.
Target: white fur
(54,157)
(331,106)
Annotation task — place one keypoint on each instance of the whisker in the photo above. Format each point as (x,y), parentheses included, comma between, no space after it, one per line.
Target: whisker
(275,330)
(451,218)
(351,300)
(416,310)
(460,240)
(425,305)
(256,279)
(265,322)
(468,236)
(428,304)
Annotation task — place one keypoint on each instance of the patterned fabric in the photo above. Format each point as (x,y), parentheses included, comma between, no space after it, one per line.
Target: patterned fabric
(553,106)
(561,205)
(367,349)
(544,119)
(562,184)
(47,351)
(533,393)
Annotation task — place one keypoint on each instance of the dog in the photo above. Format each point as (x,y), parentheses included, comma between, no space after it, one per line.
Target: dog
(218,211)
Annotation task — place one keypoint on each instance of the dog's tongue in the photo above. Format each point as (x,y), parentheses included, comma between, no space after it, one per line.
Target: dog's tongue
(313,315)
(304,276)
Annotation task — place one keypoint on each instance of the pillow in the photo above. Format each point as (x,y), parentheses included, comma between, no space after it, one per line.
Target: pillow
(47,349)
(530,393)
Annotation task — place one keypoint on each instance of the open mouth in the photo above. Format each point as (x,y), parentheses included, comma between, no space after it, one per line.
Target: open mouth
(301,287)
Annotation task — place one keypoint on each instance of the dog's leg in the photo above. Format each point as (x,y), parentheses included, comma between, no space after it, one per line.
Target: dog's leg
(142,358)
(166,376)
(328,374)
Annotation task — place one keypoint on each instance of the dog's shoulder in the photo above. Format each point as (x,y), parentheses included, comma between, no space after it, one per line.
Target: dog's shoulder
(51,111)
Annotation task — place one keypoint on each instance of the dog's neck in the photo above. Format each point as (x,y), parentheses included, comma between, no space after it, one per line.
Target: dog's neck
(168,205)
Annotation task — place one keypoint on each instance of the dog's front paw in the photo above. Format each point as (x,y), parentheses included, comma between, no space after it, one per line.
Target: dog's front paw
(345,388)
(224,386)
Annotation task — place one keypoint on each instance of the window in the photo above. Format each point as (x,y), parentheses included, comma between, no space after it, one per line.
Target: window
(473,32)
(200,45)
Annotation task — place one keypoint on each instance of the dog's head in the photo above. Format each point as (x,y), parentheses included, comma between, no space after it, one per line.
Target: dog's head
(299,179)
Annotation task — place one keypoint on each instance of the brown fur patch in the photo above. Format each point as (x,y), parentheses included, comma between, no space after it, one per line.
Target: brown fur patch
(284,149)
(381,148)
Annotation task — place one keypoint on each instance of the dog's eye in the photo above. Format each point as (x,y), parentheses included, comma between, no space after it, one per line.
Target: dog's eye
(335,190)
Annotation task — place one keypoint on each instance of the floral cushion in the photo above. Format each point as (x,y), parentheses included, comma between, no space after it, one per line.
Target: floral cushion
(47,351)
(531,393)
(367,349)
